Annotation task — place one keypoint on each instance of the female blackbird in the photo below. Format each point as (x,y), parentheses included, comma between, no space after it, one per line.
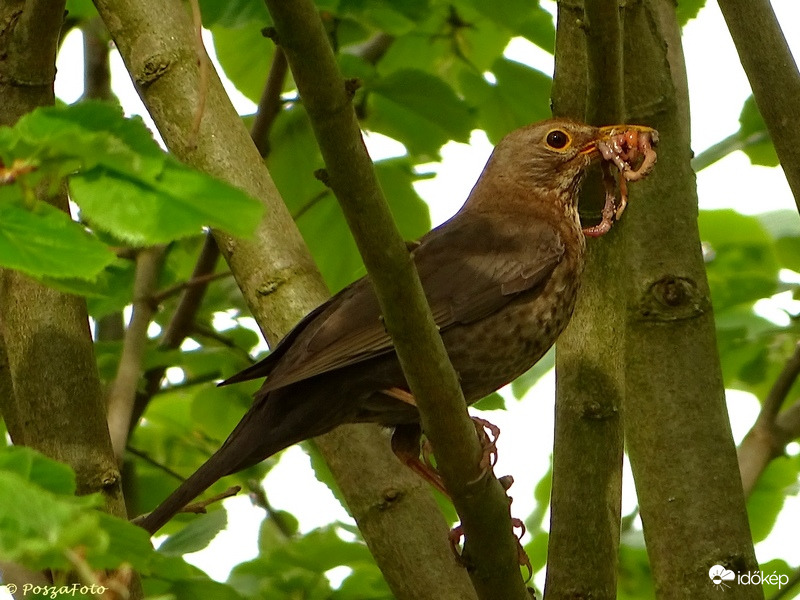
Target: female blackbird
(501,278)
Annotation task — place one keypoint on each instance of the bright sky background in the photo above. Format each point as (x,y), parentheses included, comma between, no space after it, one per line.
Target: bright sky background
(718,88)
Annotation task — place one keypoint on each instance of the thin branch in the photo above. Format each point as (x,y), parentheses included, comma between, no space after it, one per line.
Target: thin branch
(772,430)
(482,506)
(151,461)
(269,106)
(773,76)
(195,281)
(199,508)
(122,392)
(724,147)
(259,498)
(780,389)
(374,48)
(181,322)
(97,70)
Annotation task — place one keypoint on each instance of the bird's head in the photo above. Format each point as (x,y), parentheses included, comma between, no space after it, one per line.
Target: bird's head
(548,159)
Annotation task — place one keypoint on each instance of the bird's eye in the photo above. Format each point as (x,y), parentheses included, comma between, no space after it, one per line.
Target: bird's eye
(557,139)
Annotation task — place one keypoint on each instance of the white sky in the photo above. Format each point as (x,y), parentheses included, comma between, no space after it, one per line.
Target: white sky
(718,88)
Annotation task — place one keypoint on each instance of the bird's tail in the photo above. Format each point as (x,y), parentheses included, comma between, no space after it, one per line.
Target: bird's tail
(245,447)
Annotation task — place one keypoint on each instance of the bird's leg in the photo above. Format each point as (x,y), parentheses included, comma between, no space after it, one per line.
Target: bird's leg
(400,394)
(406,446)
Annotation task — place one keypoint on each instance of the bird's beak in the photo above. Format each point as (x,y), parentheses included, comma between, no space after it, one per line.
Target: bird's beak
(604,134)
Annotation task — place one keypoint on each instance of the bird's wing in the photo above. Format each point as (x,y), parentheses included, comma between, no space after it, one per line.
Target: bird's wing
(468,271)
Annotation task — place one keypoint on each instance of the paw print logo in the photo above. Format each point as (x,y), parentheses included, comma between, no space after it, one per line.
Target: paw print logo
(719,575)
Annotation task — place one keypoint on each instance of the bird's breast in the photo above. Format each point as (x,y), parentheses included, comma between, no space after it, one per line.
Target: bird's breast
(494,351)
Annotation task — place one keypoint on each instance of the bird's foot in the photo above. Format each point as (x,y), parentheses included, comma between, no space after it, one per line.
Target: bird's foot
(488,434)
(522,556)
(457,533)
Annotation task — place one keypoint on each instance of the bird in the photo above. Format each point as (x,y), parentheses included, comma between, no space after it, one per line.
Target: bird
(501,278)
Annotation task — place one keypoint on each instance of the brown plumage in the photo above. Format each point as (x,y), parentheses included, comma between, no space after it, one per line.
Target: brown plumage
(501,278)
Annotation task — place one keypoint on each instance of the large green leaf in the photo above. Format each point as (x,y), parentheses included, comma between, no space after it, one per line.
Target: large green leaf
(197,535)
(523,17)
(87,135)
(179,203)
(123,182)
(520,95)
(418,109)
(744,264)
(44,242)
(42,522)
(245,55)
(769,494)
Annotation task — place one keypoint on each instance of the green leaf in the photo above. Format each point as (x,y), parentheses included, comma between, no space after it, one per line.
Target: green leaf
(781,572)
(491,402)
(753,130)
(235,13)
(688,9)
(527,380)
(36,468)
(179,203)
(769,494)
(521,95)
(38,528)
(394,18)
(744,266)
(89,134)
(215,413)
(197,535)
(80,9)
(128,544)
(523,17)
(44,241)
(123,182)
(245,55)
(418,109)
(292,163)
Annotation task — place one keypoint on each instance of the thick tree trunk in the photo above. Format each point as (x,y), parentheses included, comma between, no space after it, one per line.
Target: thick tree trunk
(676,423)
(587,453)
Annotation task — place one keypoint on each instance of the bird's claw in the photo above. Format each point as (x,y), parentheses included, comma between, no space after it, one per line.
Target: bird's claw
(488,434)
(522,556)
(454,537)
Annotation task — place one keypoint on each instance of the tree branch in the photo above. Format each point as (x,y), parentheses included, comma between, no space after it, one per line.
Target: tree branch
(269,106)
(587,453)
(772,430)
(480,500)
(49,352)
(122,393)
(55,403)
(676,425)
(280,284)
(773,76)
